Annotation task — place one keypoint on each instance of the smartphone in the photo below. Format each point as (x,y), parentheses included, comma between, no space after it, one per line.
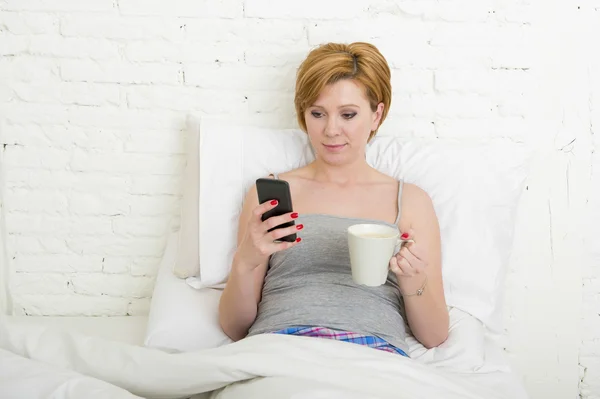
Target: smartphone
(276,189)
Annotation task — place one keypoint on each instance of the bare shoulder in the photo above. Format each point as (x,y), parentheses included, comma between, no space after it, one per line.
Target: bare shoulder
(251,195)
(413,194)
(294,173)
(417,206)
(380,177)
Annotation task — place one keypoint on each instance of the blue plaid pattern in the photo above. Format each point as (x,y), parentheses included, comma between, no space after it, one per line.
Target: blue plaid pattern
(345,336)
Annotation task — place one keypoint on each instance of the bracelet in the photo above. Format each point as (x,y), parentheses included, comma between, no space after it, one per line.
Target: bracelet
(420,290)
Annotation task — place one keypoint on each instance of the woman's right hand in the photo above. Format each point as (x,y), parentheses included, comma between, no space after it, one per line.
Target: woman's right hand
(258,243)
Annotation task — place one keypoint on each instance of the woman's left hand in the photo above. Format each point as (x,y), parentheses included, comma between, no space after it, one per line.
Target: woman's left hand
(409,265)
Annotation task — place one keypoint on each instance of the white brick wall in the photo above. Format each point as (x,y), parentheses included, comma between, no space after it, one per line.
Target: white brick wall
(590,349)
(93,99)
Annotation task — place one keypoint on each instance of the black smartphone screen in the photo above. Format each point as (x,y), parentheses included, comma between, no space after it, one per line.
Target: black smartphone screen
(276,189)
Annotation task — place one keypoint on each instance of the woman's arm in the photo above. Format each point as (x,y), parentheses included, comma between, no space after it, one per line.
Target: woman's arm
(257,241)
(239,302)
(419,264)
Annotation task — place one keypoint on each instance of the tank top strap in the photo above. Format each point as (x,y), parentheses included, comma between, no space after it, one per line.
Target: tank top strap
(400,187)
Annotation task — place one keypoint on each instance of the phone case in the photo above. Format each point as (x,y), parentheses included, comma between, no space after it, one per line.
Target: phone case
(270,189)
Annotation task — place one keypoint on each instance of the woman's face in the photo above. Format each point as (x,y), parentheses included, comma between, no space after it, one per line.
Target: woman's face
(340,122)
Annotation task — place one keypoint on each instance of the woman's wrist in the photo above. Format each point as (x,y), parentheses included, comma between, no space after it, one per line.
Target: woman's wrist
(240,266)
(413,285)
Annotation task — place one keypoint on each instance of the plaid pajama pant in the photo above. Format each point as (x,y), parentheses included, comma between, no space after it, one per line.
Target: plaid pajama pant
(322,332)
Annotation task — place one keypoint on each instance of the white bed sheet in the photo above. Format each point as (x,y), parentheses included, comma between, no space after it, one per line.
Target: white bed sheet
(492,370)
(65,356)
(40,361)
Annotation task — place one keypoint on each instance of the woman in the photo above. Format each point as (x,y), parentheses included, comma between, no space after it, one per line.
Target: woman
(343,94)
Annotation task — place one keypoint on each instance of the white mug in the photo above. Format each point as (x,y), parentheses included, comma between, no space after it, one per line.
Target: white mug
(371,247)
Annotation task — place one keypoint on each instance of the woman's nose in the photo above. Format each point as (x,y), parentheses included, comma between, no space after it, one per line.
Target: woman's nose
(332,128)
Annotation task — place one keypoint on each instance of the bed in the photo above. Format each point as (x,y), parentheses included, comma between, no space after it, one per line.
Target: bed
(112,357)
(47,362)
(179,351)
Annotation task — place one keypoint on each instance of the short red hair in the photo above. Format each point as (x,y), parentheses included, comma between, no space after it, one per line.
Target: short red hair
(331,62)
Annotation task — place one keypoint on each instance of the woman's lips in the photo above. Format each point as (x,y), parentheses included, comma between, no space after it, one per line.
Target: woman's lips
(334,147)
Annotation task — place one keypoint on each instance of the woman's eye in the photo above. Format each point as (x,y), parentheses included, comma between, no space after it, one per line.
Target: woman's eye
(349,115)
(316,114)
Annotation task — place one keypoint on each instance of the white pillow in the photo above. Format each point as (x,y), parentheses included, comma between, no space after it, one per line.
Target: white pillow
(475,188)
(188,252)
(182,318)
(231,159)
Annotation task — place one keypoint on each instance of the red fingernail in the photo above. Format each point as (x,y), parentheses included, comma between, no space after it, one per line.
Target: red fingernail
(300,227)
(298,239)
(294,215)
(405,235)
(274,202)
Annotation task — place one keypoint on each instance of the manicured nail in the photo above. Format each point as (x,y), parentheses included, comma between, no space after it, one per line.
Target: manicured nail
(274,202)
(405,236)
(294,215)
(299,227)
(298,239)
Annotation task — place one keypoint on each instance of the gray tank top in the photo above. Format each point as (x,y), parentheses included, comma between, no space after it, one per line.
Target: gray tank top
(311,285)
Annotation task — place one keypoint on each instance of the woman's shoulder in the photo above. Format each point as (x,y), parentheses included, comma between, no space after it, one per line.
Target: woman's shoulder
(416,203)
(414,196)
(292,174)
(380,177)
(413,191)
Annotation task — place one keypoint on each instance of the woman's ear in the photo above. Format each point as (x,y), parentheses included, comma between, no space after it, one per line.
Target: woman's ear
(377,116)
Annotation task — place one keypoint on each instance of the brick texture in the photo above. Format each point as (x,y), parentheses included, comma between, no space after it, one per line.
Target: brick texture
(94,96)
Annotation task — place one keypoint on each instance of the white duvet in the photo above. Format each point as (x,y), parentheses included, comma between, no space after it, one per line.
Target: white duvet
(43,362)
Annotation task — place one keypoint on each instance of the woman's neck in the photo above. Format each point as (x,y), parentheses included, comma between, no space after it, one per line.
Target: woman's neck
(342,175)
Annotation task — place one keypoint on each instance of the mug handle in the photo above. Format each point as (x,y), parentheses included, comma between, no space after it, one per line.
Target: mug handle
(400,242)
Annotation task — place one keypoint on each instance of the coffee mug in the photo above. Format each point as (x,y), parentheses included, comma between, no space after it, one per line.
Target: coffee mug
(371,247)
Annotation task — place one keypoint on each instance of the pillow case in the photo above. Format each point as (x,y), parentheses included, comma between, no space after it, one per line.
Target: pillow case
(226,175)
(188,250)
(474,186)
(181,318)
(475,189)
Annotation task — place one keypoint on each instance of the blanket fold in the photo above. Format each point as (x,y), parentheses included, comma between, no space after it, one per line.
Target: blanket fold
(264,362)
